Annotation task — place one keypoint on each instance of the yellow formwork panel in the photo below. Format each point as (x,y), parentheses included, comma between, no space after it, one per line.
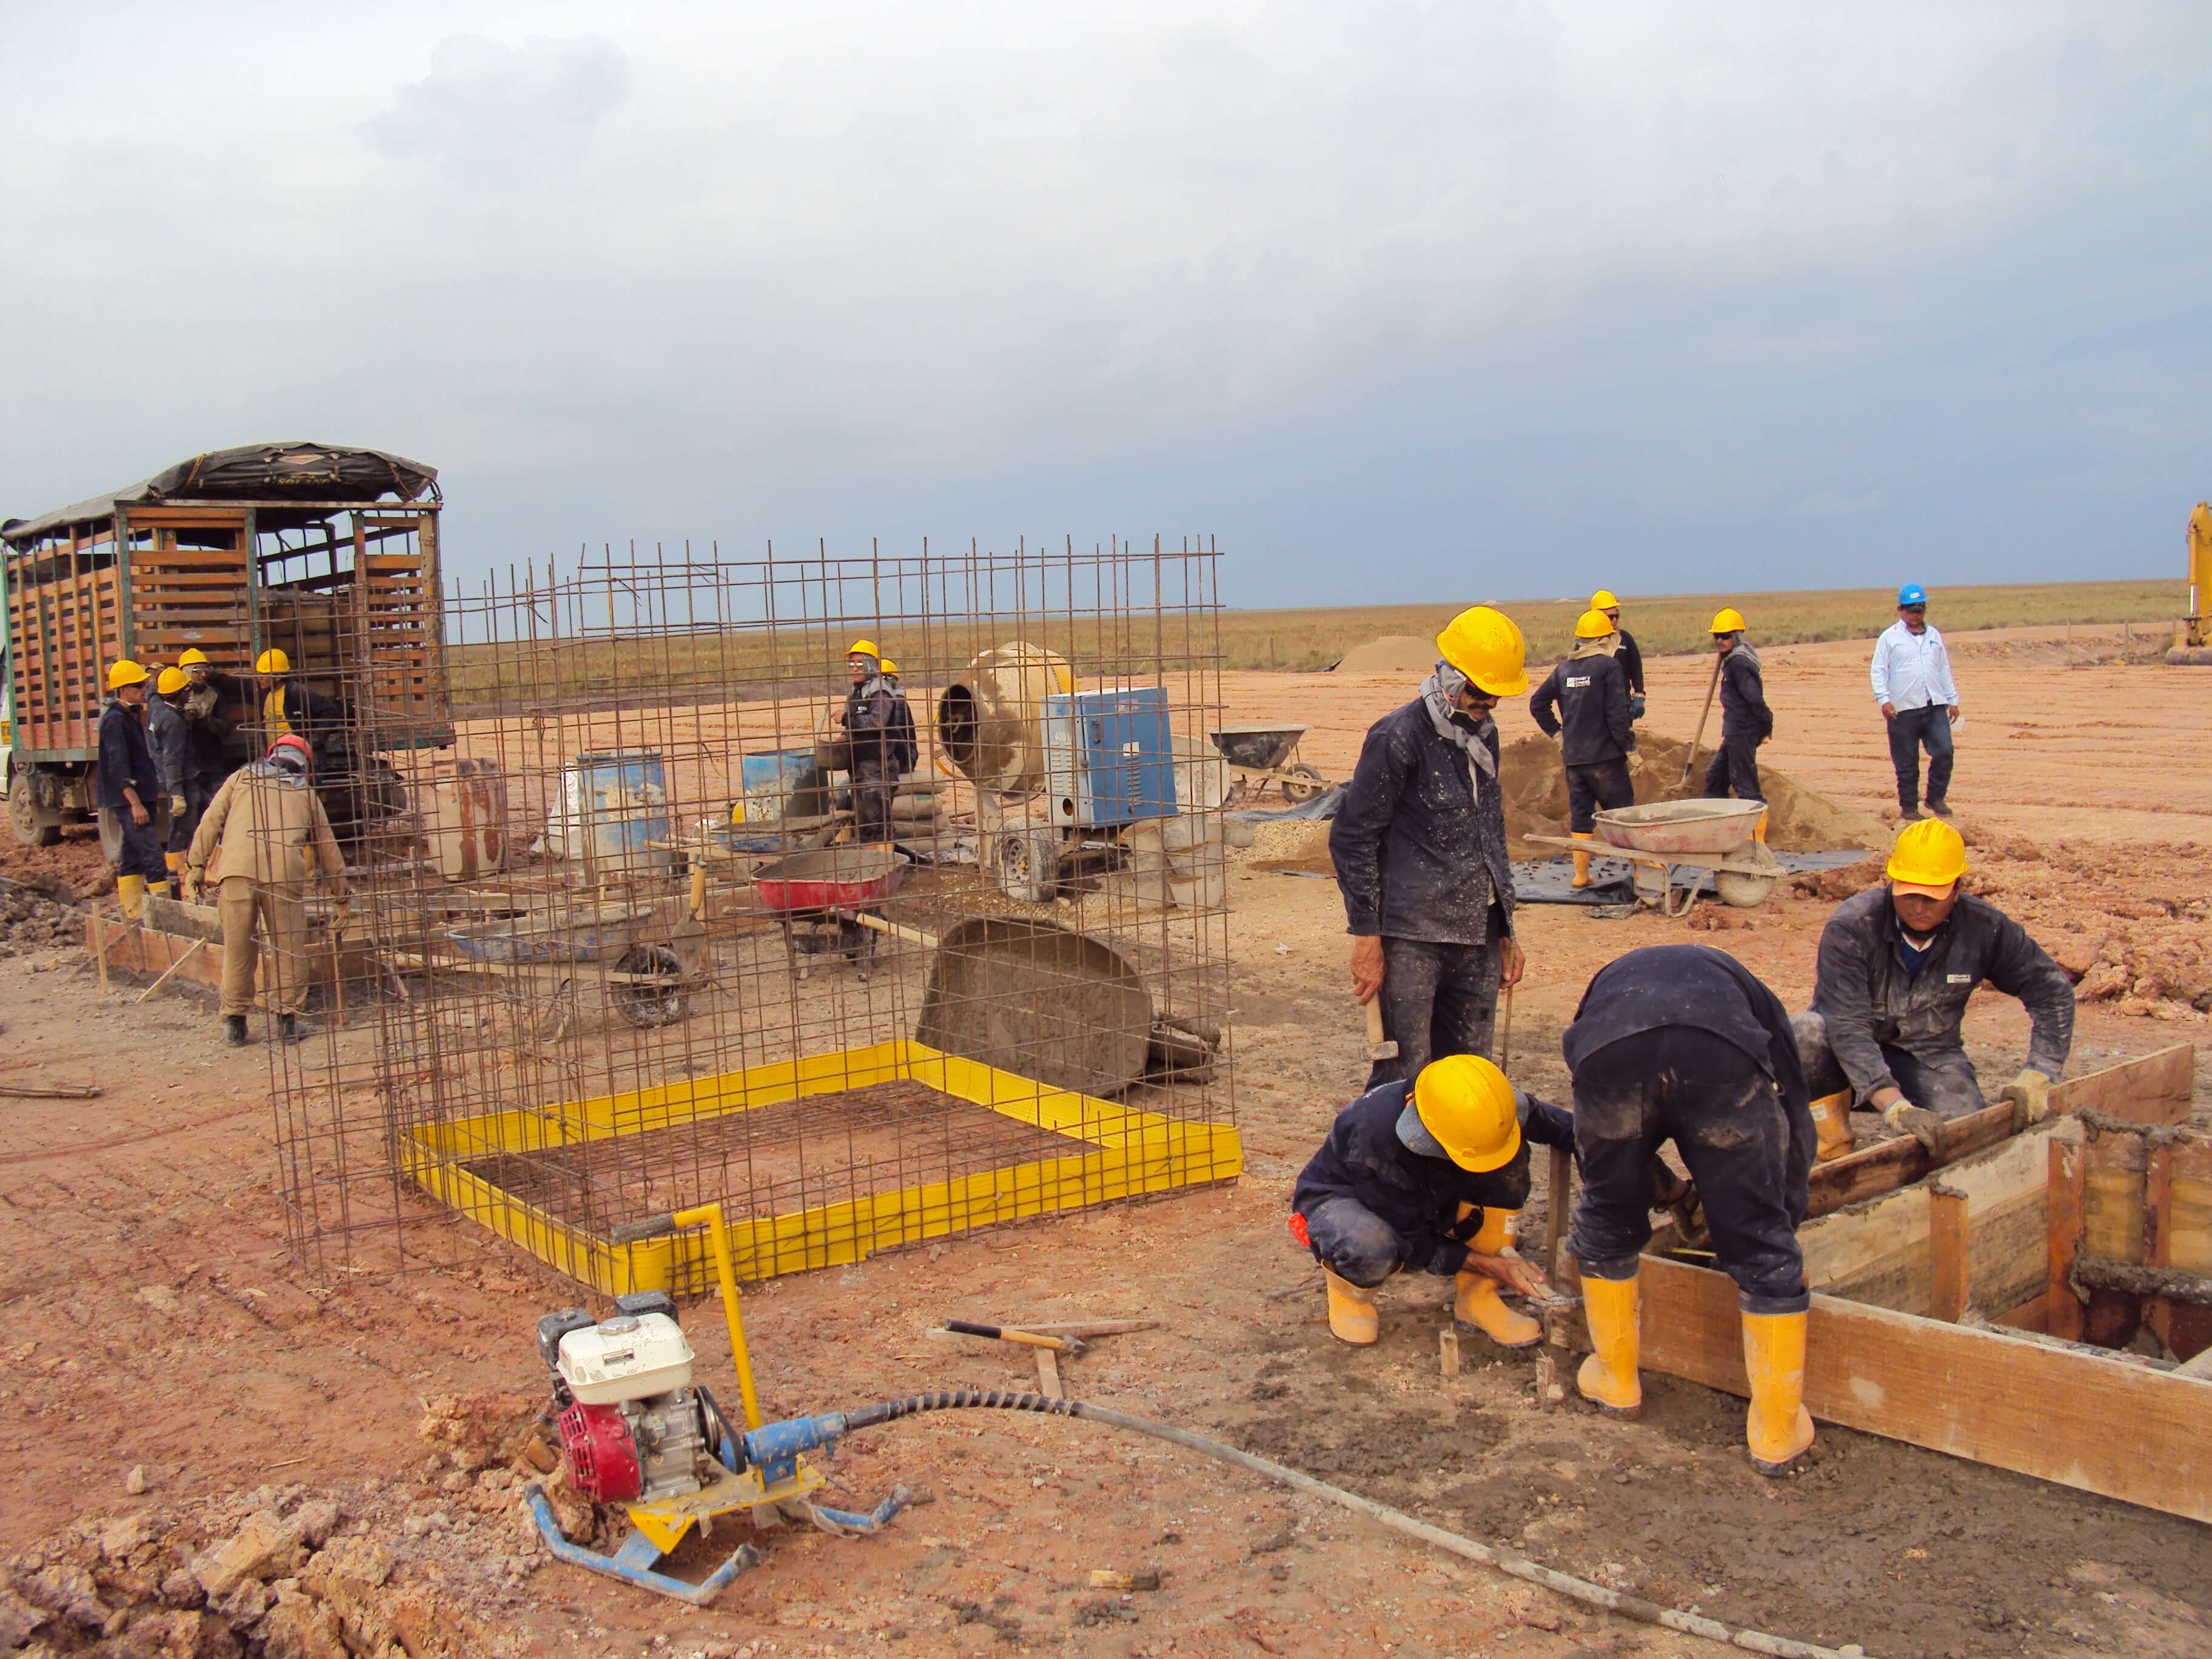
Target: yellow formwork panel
(1126,1153)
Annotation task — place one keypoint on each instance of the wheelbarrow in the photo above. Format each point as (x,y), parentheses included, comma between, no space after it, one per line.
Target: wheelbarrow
(822,899)
(1261,755)
(1713,835)
(648,955)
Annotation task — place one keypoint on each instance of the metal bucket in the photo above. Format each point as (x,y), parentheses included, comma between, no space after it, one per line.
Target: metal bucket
(614,813)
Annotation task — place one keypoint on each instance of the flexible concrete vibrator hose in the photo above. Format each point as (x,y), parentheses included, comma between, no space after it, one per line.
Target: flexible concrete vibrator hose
(1581,1590)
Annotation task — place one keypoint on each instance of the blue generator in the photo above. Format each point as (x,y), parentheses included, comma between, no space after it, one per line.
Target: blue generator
(1108,757)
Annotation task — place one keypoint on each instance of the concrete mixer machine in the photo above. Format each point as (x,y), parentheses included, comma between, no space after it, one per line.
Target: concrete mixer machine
(1059,773)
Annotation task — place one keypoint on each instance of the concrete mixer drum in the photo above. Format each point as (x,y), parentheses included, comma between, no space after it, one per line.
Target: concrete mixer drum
(990,721)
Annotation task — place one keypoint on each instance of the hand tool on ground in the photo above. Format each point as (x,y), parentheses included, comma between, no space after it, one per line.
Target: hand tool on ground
(1711,686)
(1069,1345)
(1378,1047)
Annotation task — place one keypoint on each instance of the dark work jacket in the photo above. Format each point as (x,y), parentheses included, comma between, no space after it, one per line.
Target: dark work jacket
(904,750)
(1591,696)
(1745,717)
(211,708)
(1631,662)
(1863,992)
(125,759)
(1704,989)
(870,718)
(169,738)
(1417,1196)
(1417,856)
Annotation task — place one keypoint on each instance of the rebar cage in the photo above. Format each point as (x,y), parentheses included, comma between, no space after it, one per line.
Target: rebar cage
(658,930)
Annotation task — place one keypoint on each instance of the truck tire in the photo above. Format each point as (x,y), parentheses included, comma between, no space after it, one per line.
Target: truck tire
(32,827)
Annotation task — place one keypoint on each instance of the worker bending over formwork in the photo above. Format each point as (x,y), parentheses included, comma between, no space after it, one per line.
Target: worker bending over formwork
(1419,845)
(1428,1176)
(1681,1043)
(1583,706)
(1898,963)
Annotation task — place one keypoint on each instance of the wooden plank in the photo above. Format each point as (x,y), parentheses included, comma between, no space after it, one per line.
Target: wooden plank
(2152,1088)
(1947,1258)
(2188,1223)
(2064,1315)
(2030,1315)
(2112,1197)
(2078,1419)
(1556,1208)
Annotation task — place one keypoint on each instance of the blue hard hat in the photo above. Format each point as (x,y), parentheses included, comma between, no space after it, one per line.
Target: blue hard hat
(1913,593)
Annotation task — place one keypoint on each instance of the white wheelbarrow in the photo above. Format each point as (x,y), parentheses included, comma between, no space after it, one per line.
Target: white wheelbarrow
(1704,835)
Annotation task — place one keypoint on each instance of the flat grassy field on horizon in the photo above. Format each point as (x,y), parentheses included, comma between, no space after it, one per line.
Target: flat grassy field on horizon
(1665,625)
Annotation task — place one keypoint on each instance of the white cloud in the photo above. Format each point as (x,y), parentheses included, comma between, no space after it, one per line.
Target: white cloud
(490,109)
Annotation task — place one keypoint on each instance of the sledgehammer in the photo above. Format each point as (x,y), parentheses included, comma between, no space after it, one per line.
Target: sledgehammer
(1379,1048)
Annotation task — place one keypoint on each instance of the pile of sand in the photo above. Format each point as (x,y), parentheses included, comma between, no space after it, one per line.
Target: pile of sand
(1394,654)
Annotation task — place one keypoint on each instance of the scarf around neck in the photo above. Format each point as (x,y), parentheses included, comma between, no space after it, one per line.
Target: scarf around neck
(1472,742)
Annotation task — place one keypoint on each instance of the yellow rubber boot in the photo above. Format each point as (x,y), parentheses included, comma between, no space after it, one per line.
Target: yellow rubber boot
(1758,831)
(131,890)
(176,863)
(1478,1303)
(1778,1428)
(1582,858)
(1351,1316)
(158,890)
(1831,1122)
(1608,1378)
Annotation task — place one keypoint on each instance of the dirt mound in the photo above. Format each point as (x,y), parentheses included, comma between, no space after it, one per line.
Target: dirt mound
(1799,819)
(32,919)
(1394,654)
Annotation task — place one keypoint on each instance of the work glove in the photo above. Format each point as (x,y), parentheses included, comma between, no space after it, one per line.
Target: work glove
(1923,1124)
(2030,1095)
(1636,706)
(177,807)
(189,889)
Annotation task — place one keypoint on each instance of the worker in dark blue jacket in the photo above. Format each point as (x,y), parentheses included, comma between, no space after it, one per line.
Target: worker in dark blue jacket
(1746,720)
(176,759)
(130,789)
(1630,658)
(1428,1176)
(1584,703)
(1682,1042)
(1418,844)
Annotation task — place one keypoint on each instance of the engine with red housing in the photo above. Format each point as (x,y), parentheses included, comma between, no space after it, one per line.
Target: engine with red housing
(632,1426)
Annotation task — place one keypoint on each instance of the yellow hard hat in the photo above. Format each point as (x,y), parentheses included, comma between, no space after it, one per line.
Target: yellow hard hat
(272,661)
(864,648)
(1728,620)
(1604,600)
(192,659)
(1467,1107)
(887,667)
(171,680)
(1484,645)
(1928,857)
(123,672)
(1594,624)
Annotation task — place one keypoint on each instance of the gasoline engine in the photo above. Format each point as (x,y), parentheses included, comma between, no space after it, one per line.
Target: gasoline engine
(632,1426)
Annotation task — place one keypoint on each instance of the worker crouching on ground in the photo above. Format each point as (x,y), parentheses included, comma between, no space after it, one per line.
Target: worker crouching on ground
(129,788)
(1418,844)
(871,719)
(1584,703)
(1428,1176)
(1630,658)
(1681,1043)
(266,835)
(1897,965)
(1919,701)
(176,759)
(1746,720)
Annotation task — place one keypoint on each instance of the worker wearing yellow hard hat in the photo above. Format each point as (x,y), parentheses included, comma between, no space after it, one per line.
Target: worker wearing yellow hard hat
(1428,1176)
(176,763)
(212,705)
(1897,964)
(292,707)
(1418,846)
(130,790)
(1746,720)
(879,736)
(1682,1042)
(1583,706)
(1627,653)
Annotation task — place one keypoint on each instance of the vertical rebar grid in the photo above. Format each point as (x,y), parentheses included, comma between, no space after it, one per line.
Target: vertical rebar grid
(592,998)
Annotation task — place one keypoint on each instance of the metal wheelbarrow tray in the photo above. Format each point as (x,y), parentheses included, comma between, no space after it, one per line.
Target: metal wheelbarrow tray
(655,950)
(1261,755)
(1712,836)
(818,896)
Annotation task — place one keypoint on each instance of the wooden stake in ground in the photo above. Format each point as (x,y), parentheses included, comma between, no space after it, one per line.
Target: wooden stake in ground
(198,945)
(1711,686)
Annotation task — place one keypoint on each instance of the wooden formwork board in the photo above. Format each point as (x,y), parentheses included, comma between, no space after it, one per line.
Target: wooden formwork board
(149,951)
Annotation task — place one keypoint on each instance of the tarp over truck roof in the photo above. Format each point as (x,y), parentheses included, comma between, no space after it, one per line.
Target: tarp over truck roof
(252,473)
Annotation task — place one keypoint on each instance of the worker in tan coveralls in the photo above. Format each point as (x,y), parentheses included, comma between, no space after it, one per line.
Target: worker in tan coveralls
(266,833)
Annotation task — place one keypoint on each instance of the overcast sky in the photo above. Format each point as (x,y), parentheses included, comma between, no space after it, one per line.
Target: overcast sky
(1399,301)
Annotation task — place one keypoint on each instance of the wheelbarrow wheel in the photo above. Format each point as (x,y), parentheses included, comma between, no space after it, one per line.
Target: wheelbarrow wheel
(649,1006)
(1301,783)
(1027,863)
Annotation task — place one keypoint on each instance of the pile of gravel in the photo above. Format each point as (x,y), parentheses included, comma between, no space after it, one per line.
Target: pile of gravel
(31,919)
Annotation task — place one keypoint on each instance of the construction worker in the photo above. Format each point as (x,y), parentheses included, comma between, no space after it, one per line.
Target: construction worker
(1584,703)
(266,835)
(870,718)
(1428,1176)
(289,706)
(1912,684)
(1897,965)
(1746,720)
(177,761)
(210,705)
(905,747)
(1630,658)
(1681,1043)
(130,789)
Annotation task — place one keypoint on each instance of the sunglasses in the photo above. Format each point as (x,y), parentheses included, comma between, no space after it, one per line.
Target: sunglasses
(1917,610)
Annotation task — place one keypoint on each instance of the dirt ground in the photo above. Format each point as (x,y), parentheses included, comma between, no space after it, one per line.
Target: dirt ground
(157,1323)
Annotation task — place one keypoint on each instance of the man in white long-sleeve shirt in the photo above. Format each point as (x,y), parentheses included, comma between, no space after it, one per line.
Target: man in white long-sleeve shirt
(1919,700)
